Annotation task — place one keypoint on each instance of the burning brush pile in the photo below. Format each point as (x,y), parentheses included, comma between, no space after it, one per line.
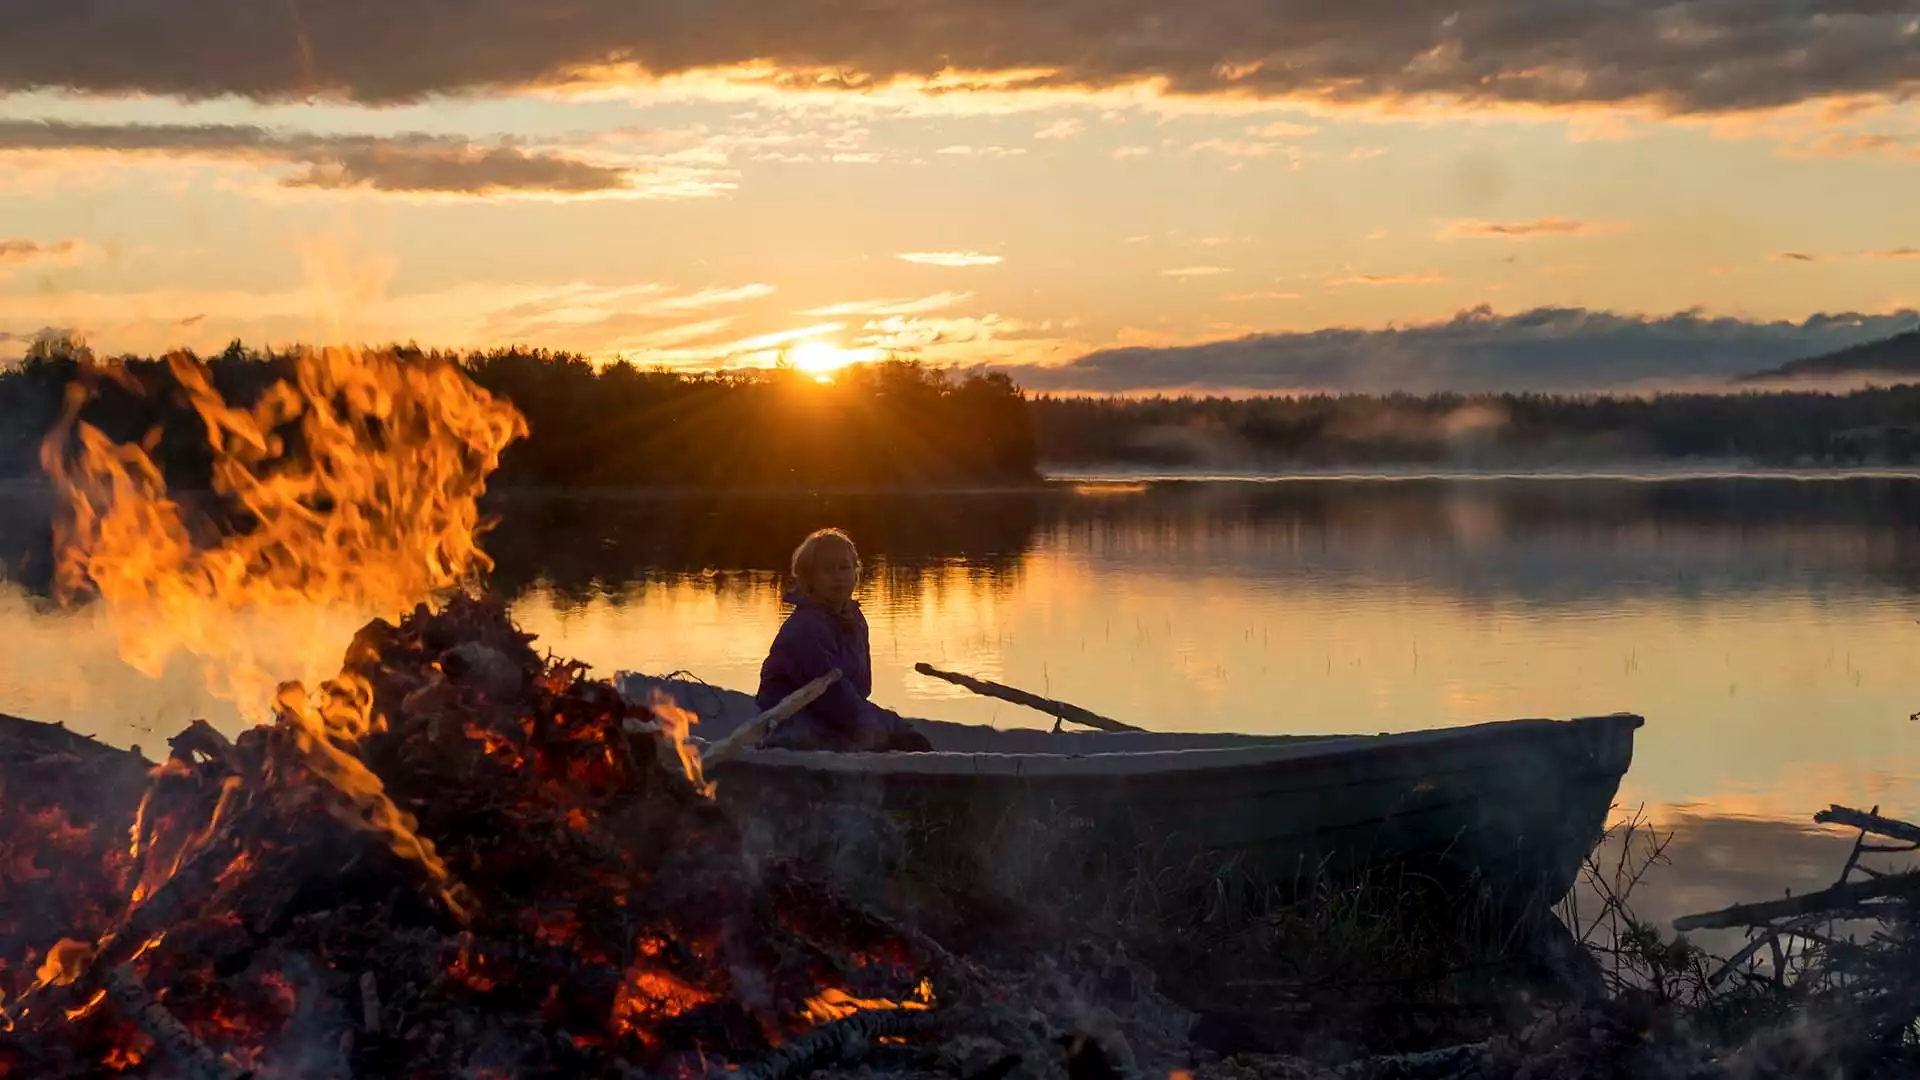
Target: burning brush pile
(457,857)
(513,872)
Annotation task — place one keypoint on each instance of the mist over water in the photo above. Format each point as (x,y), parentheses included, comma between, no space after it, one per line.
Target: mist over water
(1764,626)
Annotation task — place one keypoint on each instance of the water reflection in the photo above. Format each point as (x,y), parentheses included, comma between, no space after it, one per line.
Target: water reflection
(1764,627)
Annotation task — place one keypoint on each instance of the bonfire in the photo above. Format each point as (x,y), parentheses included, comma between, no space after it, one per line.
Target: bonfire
(545,888)
(456,857)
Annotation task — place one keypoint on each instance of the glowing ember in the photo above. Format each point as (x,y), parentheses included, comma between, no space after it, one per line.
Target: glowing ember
(612,908)
(836,1004)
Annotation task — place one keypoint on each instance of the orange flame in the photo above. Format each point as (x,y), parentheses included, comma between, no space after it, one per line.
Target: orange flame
(65,962)
(836,1004)
(676,724)
(357,483)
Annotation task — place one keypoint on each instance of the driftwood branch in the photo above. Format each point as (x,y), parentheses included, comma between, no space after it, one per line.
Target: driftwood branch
(841,1042)
(1060,709)
(1869,822)
(754,730)
(1840,896)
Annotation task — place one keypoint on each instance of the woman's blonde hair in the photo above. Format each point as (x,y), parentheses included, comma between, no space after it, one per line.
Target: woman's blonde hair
(806,557)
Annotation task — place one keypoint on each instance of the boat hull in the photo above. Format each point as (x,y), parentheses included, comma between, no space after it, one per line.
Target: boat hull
(1507,809)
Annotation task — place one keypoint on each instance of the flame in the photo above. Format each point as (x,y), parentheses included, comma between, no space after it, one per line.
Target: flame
(159,870)
(836,1004)
(676,724)
(65,962)
(92,1003)
(355,485)
(647,996)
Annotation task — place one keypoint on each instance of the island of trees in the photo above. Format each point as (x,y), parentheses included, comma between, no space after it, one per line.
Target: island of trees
(905,425)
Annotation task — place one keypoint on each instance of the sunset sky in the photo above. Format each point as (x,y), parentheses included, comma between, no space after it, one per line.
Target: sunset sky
(1101,194)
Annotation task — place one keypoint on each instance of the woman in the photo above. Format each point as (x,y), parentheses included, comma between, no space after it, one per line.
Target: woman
(826,631)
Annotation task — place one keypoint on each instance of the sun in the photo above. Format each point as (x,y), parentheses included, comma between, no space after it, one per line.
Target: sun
(817,358)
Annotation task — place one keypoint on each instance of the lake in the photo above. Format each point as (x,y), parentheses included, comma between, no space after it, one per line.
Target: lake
(1764,625)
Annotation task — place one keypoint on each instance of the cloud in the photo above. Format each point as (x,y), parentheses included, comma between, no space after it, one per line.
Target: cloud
(982,151)
(1250,148)
(1546,349)
(408,163)
(19,253)
(950,258)
(1882,255)
(1474,229)
(1854,144)
(1683,56)
(1196,271)
(1389,279)
(592,317)
(1282,129)
(1247,296)
(1061,129)
(1132,151)
(939,301)
(899,333)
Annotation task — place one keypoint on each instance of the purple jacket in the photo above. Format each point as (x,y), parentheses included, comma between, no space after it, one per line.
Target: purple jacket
(812,642)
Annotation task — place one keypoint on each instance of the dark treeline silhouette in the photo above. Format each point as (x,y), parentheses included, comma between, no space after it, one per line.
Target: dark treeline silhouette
(887,424)
(902,425)
(1866,426)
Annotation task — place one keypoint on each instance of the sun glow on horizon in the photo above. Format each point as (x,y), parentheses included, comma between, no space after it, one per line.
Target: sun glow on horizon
(821,359)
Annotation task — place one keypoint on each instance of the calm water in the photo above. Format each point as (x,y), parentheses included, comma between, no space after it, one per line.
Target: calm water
(1765,627)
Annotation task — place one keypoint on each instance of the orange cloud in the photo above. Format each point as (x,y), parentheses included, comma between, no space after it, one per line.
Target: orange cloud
(1725,58)
(951,258)
(1852,145)
(982,151)
(1390,279)
(1883,255)
(405,164)
(939,301)
(19,253)
(1474,229)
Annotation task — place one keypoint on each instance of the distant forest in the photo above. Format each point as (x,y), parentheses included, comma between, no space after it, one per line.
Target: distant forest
(1873,426)
(902,425)
(893,424)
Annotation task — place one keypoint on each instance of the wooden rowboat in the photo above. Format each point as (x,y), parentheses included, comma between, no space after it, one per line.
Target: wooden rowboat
(1510,808)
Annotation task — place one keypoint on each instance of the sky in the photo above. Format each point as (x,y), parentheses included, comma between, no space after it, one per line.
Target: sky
(1096,195)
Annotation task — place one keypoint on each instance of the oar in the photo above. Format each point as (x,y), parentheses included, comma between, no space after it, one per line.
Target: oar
(1059,710)
(751,732)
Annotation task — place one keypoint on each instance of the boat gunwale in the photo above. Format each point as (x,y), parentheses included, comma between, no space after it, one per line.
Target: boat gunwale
(1312,752)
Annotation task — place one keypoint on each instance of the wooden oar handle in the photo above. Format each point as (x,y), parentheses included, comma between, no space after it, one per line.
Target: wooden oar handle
(1060,709)
(755,729)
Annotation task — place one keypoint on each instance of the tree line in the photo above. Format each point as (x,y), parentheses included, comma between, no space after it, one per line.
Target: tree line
(1870,426)
(886,424)
(902,424)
